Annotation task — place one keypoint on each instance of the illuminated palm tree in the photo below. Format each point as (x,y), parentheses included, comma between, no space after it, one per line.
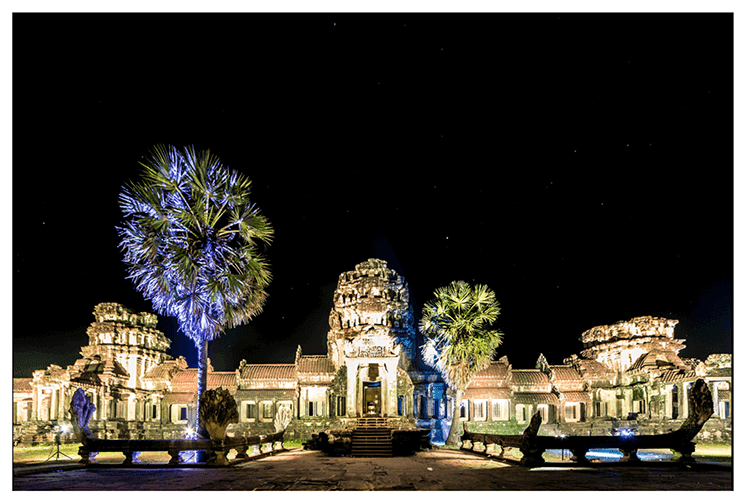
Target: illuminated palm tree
(458,339)
(192,241)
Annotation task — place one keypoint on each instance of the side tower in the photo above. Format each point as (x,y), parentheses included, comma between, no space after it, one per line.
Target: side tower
(620,345)
(130,339)
(372,333)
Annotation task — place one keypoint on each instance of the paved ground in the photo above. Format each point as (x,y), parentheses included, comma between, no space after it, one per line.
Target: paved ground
(432,470)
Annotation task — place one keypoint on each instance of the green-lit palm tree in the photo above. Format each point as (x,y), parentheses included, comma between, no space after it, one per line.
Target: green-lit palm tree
(459,340)
(193,243)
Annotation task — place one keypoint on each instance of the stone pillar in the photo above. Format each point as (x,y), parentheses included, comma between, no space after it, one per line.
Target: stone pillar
(352,382)
(53,403)
(35,402)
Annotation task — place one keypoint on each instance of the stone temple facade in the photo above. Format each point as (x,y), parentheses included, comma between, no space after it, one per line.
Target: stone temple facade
(629,374)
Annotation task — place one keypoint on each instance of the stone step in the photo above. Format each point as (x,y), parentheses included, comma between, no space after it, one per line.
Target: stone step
(371,440)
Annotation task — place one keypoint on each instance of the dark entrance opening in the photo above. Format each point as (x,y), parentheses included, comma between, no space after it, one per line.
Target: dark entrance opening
(371,398)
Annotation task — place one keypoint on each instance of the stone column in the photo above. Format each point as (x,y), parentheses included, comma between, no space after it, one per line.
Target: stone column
(352,381)
(53,401)
(35,402)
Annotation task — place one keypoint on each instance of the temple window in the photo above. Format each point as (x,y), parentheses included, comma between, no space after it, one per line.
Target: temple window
(120,409)
(341,406)
(435,408)
(422,407)
(724,410)
(501,410)
(315,408)
(543,409)
(573,412)
(179,414)
(638,406)
(601,409)
(249,411)
(521,413)
(464,414)
(154,411)
(479,410)
(268,412)
(401,405)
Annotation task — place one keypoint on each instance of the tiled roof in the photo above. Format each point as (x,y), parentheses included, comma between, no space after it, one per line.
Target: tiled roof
(640,362)
(535,398)
(496,370)
(594,369)
(565,373)
(654,359)
(576,396)
(187,378)
(676,375)
(162,371)
(286,372)
(491,393)
(529,377)
(24,384)
(315,364)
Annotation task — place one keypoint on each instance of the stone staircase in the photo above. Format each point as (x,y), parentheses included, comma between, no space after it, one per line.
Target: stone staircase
(372,438)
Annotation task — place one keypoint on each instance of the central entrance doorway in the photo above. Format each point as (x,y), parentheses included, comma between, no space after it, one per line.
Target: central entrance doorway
(371,398)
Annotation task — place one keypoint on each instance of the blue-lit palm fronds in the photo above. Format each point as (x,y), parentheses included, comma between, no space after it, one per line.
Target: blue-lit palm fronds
(456,327)
(192,241)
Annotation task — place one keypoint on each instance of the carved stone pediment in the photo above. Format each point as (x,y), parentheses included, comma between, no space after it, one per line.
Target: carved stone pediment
(371,346)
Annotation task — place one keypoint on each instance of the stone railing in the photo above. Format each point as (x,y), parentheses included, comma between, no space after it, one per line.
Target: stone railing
(533,446)
(217,410)
(217,451)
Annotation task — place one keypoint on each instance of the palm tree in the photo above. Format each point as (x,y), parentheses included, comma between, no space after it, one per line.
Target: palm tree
(192,242)
(458,339)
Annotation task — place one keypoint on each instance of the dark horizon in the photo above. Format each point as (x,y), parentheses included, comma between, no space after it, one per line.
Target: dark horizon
(584,175)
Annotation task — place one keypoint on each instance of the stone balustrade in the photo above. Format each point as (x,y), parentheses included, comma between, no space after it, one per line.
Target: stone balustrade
(217,451)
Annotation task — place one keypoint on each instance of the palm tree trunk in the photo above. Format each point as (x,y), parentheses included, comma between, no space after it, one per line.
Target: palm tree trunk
(454,434)
(201,385)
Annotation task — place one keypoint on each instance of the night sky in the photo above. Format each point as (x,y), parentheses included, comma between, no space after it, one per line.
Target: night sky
(581,165)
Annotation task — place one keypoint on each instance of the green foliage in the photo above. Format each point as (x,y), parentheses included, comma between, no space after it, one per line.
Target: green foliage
(459,340)
(339,383)
(192,241)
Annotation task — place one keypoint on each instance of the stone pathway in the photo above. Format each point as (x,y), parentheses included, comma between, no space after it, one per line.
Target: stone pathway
(432,470)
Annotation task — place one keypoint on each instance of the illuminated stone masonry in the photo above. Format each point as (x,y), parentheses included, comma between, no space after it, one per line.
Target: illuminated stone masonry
(629,374)
(619,345)
(123,346)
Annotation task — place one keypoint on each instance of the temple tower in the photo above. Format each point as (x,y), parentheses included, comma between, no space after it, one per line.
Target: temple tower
(620,345)
(131,339)
(372,333)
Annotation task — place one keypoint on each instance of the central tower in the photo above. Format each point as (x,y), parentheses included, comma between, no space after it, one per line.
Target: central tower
(372,333)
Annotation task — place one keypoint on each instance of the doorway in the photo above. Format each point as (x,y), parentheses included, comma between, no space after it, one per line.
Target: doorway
(371,398)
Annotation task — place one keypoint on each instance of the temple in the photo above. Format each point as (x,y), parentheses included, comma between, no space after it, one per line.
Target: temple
(628,374)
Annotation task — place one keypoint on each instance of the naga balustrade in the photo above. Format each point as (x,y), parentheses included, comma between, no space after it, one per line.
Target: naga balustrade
(217,447)
(217,451)
(533,446)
